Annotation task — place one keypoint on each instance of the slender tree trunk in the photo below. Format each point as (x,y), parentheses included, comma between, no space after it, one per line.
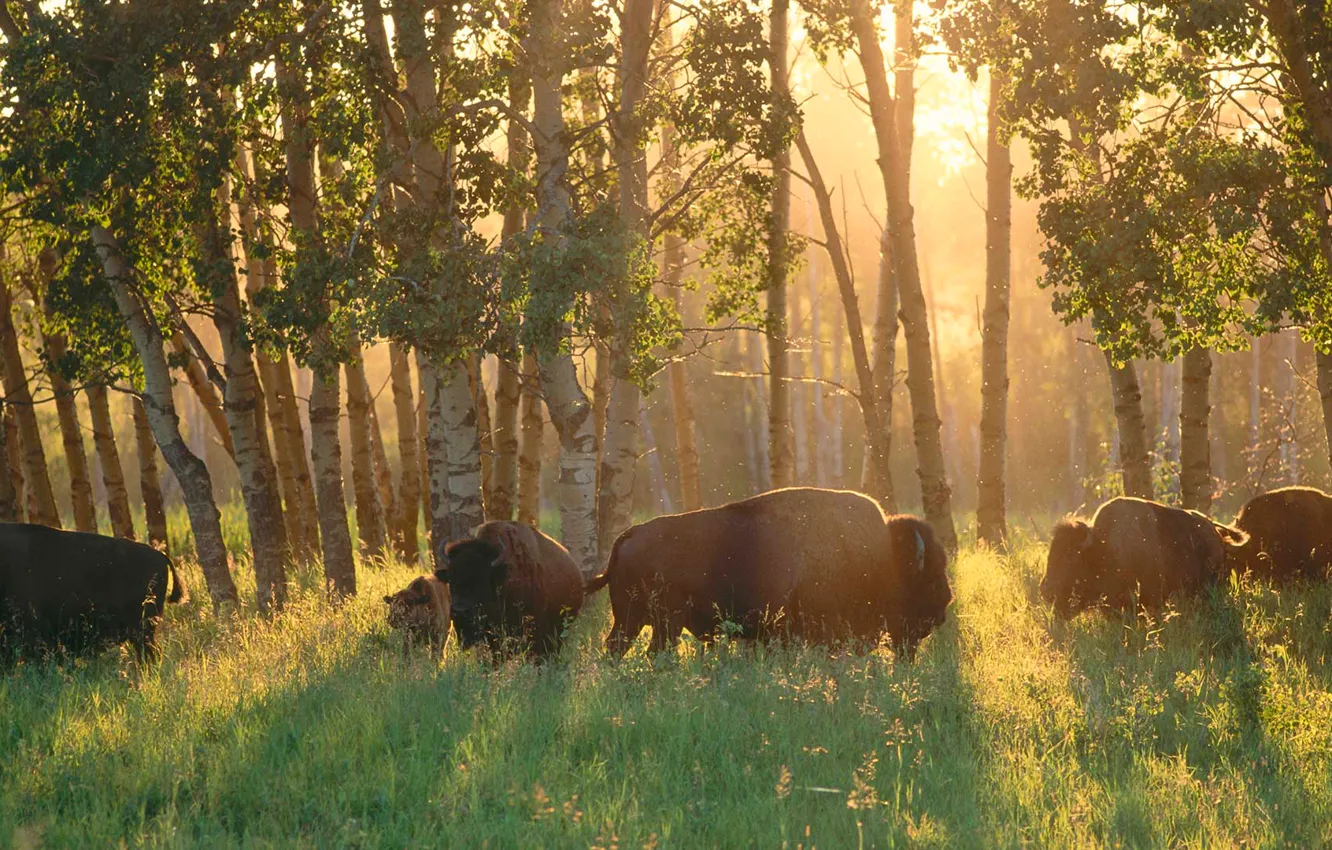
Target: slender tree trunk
(1325,393)
(9,497)
(569,407)
(837,458)
(991,520)
(1287,399)
(763,467)
(438,519)
(71,433)
(1195,467)
(409,485)
(369,511)
(508,395)
(484,429)
(672,261)
(14,457)
(894,165)
(885,376)
(781,439)
(243,399)
(462,449)
(657,474)
(876,437)
(150,480)
(622,445)
(529,452)
(191,473)
(19,397)
(113,473)
(383,472)
(819,442)
(1133,452)
(1079,424)
(285,415)
(204,390)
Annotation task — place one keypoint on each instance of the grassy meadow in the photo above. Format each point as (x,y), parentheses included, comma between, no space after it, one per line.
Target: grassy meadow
(1211,727)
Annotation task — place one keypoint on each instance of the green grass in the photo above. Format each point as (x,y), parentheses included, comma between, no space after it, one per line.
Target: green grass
(1212,727)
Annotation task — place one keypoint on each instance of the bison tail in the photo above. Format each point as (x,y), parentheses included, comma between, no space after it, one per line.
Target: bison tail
(596,583)
(179,593)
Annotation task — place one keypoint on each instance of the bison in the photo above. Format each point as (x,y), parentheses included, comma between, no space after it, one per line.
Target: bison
(421,612)
(1290,535)
(512,587)
(1133,548)
(81,592)
(822,565)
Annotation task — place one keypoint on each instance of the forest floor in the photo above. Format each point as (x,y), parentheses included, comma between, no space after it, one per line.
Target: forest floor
(1211,727)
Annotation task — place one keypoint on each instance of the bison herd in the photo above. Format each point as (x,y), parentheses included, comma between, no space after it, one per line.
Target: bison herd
(816,565)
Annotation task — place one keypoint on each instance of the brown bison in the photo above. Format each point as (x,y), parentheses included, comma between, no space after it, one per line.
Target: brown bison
(817,564)
(1290,535)
(512,587)
(81,592)
(1131,549)
(421,612)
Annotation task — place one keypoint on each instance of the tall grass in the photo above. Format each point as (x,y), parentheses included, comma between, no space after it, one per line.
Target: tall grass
(1209,727)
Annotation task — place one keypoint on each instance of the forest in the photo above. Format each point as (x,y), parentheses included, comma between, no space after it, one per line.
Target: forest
(298,292)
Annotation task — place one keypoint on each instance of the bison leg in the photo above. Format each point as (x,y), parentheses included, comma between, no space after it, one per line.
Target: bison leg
(145,645)
(664,636)
(621,637)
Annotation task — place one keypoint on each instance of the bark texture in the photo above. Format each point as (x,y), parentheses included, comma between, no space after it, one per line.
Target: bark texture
(9,497)
(383,472)
(894,166)
(370,527)
(408,499)
(508,397)
(160,411)
(531,438)
(462,449)
(14,458)
(1325,393)
(1195,451)
(71,435)
(484,429)
(204,389)
(150,480)
(1134,455)
(18,395)
(991,515)
(781,438)
(113,472)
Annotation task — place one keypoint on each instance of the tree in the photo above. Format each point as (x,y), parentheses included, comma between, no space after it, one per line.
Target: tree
(781,439)
(19,396)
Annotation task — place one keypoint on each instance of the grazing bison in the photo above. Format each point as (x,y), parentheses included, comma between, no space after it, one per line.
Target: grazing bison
(511,587)
(822,565)
(81,591)
(1290,535)
(421,612)
(1133,547)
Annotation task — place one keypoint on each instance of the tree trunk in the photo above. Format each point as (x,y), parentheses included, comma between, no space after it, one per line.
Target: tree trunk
(113,473)
(1286,348)
(781,439)
(991,519)
(150,480)
(191,473)
(569,407)
(462,448)
(484,430)
(19,397)
(1079,424)
(243,399)
(204,390)
(326,450)
(885,375)
(763,464)
(279,395)
(894,166)
(662,501)
(508,394)
(71,433)
(1325,393)
(1133,452)
(1195,453)
(14,457)
(819,442)
(438,520)
(409,484)
(529,452)
(876,442)
(369,511)
(9,506)
(383,472)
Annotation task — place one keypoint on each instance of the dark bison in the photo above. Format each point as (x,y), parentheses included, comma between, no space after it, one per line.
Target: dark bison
(1131,549)
(512,587)
(81,591)
(821,565)
(421,612)
(1290,535)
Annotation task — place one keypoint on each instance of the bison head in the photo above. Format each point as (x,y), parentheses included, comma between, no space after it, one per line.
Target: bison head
(1068,576)
(475,571)
(922,568)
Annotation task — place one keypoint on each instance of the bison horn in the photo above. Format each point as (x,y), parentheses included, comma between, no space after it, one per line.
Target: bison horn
(920,551)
